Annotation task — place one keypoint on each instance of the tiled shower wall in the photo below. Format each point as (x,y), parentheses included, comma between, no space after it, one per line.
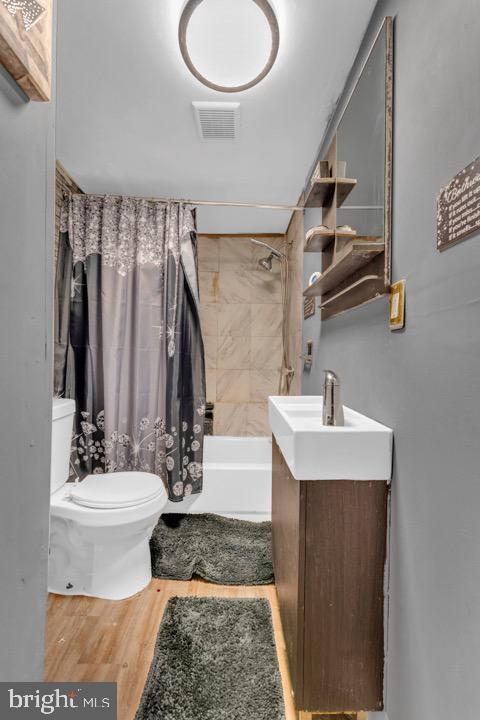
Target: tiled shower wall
(241,314)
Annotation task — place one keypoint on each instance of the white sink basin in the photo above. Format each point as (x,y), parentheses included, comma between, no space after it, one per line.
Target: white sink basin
(360,450)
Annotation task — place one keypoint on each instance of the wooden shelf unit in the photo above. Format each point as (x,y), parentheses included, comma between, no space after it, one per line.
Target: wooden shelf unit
(354,268)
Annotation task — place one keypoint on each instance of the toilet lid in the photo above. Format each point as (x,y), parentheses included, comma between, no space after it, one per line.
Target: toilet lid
(117,490)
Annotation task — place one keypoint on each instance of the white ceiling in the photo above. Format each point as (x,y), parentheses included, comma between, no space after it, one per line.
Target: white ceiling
(125,122)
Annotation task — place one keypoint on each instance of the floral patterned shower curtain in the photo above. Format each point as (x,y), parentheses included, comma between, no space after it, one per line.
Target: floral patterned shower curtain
(128,344)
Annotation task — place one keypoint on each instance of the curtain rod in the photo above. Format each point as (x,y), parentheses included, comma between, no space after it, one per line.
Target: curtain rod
(217,203)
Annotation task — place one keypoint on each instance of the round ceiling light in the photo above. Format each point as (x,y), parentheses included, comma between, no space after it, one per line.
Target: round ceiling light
(229,45)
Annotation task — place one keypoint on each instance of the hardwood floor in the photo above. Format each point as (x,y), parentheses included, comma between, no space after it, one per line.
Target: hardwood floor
(88,639)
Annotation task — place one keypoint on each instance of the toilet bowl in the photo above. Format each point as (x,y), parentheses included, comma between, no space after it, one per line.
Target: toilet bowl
(100,527)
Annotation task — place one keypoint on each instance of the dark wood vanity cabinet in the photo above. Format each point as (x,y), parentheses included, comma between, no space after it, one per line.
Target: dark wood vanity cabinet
(329,552)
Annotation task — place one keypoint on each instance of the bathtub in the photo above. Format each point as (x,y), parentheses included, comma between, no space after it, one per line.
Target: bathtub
(237,479)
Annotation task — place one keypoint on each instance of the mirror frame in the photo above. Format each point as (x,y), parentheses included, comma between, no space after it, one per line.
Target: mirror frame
(388,177)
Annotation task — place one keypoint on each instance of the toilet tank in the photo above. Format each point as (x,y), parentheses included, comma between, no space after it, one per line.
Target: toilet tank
(63,411)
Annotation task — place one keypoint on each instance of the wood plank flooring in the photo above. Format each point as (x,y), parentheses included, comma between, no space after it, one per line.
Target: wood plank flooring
(88,639)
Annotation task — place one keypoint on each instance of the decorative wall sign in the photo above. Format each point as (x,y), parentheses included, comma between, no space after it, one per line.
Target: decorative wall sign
(26,45)
(458,207)
(308,307)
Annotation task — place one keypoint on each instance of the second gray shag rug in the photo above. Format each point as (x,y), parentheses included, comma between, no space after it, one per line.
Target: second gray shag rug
(218,549)
(214,659)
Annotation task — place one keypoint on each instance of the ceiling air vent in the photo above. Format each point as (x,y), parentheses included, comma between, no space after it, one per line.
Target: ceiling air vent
(217,120)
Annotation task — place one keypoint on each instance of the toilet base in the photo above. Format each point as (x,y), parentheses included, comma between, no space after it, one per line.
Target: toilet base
(113,571)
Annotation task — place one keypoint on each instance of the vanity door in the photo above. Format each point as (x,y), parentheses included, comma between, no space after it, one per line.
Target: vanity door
(345,554)
(329,552)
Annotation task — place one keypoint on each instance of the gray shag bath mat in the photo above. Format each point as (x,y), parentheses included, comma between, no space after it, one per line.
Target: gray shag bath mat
(215,659)
(218,549)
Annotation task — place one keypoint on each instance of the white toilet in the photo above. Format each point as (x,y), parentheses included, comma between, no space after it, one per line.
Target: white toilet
(99,528)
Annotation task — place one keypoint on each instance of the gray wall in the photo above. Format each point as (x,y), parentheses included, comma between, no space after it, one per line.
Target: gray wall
(425,381)
(26,234)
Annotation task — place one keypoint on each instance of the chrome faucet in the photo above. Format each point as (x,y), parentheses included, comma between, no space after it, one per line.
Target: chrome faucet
(332,403)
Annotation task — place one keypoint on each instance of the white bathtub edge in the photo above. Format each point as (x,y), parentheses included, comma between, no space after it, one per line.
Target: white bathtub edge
(237,480)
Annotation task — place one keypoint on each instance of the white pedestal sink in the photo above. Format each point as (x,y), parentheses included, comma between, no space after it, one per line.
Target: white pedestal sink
(359,450)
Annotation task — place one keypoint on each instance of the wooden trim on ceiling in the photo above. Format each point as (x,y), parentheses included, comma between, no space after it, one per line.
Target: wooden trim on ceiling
(70,182)
(300,203)
(241,235)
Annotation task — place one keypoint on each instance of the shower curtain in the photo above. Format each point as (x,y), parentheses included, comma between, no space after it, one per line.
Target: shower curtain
(128,344)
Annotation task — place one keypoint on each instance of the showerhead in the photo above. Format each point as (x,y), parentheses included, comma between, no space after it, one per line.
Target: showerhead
(266,262)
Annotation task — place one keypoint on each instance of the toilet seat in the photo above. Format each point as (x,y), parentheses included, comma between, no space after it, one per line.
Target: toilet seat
(116,490)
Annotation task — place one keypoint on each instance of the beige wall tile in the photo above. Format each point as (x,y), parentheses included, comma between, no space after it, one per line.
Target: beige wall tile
(211,382)
(266,353)
(235,286)
(210,343)
(257,419)
(234,320)
(233,353)
(230,419)
(235,254)
(266,320)
(208,283)
(262,384)
(208,253)
(264,287)
(209,318)
(233,386)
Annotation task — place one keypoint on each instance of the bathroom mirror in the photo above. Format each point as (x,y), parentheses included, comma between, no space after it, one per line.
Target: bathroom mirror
(355,193)
(364,142)
(361,144)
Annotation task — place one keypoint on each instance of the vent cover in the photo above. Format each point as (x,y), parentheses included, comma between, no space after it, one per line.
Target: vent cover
(218,121)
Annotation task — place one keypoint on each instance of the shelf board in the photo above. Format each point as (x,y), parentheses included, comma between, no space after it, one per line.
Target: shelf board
(349,288)
(322,190)
(318,241)
(344,188)
(355,294)
(355,256)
